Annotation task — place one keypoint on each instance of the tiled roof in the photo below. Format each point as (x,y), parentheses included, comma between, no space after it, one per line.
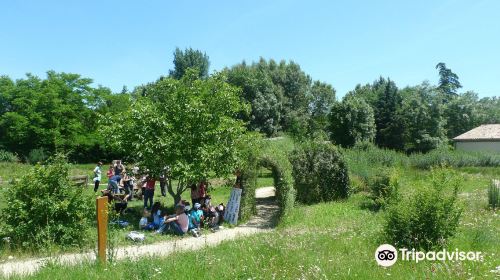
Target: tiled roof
(487,132)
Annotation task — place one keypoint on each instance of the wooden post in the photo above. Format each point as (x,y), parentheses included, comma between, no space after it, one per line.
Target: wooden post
(102,227)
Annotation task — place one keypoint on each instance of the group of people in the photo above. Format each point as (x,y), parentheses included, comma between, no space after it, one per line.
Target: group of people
(191,217)
(187,218)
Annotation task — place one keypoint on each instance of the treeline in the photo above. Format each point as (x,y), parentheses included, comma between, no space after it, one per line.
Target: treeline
(61,113)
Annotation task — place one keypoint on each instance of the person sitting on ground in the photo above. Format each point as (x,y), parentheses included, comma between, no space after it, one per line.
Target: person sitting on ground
(121,204)
(157,217)
(196,215)
(213,218)
(97,176)
(143,222)
(221,209)
(176,224)
(192,227)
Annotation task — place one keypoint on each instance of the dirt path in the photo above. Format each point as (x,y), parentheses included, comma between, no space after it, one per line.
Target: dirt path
(262,222)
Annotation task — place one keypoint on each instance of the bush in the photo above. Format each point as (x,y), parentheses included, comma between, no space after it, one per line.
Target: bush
(45,208)
(384,188)
(36,156)
(7,156)
(320,173)
(494,194)
(428,217)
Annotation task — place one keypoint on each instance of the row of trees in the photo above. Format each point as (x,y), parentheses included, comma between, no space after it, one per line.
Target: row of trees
(414,119)
(61,113)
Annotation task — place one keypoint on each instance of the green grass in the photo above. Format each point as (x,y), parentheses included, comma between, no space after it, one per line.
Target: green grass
(219,192)
(333,240)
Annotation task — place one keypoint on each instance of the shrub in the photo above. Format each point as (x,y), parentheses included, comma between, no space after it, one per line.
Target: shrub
(384,188)
(494,194)
(320,173)
(7,156)
(36,156)
(45,208)
(427,217)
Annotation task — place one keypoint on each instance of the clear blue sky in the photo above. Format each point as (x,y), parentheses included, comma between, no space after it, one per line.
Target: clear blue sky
(344,43)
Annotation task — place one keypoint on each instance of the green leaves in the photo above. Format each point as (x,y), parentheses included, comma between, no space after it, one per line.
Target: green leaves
(189,125)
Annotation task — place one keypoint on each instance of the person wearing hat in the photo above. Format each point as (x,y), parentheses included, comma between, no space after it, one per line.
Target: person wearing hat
(177,224)
(97,176)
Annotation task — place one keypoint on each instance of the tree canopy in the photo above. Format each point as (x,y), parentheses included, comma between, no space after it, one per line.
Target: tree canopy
(189,125)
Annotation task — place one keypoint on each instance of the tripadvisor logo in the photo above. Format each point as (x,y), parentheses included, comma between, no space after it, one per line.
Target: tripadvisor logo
(386,255)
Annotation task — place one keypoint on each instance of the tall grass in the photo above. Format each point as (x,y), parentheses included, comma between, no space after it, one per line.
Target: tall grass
(494,194)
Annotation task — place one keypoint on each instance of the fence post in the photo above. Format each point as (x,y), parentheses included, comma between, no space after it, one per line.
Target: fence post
(102,227)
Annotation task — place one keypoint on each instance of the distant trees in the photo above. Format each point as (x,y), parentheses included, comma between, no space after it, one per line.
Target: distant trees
(351,121)
(283,97)
(61,113)
(422,119)
(56,114)
(190,58)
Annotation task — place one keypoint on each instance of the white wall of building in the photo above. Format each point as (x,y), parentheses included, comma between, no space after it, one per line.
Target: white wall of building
(478,146)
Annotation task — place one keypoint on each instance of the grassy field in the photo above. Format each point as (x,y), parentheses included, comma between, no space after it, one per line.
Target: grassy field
(333,240)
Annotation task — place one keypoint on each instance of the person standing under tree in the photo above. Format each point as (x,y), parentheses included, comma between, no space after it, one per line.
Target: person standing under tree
(149,192)
(97,176)
(163,181)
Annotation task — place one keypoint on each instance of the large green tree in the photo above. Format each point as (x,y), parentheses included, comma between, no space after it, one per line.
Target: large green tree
(422,119)
(190,58)
(351,121)
(189,125)
(56,114)
(448,81)
(387,104)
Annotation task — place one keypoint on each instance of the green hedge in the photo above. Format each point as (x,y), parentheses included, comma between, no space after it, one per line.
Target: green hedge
(276,160)
(281,169)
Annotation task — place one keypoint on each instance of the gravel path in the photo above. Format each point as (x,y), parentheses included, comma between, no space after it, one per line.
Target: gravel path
(262,222)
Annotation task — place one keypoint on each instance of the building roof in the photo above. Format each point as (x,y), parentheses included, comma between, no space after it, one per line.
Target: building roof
(486,132)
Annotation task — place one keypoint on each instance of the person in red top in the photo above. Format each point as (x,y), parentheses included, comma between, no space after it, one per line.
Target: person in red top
(149,192)
(111,172)
(202,190)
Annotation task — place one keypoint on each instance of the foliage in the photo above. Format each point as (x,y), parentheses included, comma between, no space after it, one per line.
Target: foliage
(494,194)
(6,156)
(45,208)
(36,156)
(190,58)
(454,158)
(282,96)
(351,121)
(189,125)
(277,161)
(320,173)
(427,217)
(384,187)
(56,114)
(422,119)
(448,81)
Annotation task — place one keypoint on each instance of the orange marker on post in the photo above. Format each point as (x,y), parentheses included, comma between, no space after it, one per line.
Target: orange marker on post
(102,227)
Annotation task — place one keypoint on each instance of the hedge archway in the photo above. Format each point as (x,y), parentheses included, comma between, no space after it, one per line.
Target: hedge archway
(281,169)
